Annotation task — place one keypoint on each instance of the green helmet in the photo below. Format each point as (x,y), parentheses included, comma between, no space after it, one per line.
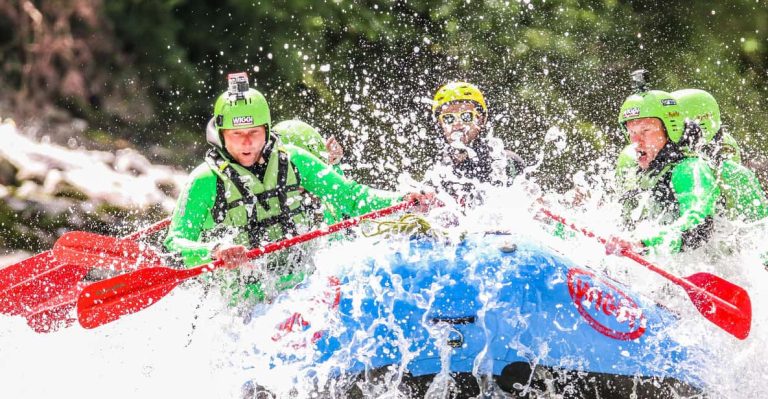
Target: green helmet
(654,104)
(302,135)
(239,107)
(699,106)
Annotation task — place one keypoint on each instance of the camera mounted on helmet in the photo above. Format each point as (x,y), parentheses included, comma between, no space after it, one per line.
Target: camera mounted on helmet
(240,107)
(238,85)
(640,79)
(657,104)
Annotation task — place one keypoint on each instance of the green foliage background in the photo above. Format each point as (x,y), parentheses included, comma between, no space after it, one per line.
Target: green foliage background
(364,70)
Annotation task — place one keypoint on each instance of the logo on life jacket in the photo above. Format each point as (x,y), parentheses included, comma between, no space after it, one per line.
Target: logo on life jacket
(631,112)
(242,120)
(668,101)
(606,308)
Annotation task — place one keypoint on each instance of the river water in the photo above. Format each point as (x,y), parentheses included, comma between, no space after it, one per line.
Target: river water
(193,345)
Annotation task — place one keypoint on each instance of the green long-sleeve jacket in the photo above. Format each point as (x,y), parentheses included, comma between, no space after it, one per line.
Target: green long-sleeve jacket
(332,215)
(743,196)
(681,192)
(193,212)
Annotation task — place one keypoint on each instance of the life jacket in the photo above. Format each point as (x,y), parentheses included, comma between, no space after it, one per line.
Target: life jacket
(260,211)
(722,147)
(651,197)
(487,162)
(742,193)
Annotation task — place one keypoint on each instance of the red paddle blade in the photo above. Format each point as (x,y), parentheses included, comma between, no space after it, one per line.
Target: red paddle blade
(734,315)
(104,252)
(723,303)
(56,313)
(33,281)
(108,300)
(36,281)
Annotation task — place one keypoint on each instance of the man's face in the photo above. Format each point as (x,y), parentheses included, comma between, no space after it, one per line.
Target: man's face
(460,121)
(245,145)
(648,137)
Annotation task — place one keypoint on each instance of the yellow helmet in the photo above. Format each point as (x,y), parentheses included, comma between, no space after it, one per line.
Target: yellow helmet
(458,91)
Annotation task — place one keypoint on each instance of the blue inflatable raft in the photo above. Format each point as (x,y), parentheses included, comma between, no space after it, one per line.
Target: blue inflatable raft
(496,314)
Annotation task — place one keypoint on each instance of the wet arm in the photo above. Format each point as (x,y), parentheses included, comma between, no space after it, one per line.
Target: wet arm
(347,196)
(696,191)
(191,214)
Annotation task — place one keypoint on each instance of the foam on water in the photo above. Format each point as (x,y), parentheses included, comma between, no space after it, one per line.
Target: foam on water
(158,351)
(146,355)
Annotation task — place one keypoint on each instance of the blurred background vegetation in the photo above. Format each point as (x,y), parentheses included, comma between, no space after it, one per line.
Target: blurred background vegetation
(144,73)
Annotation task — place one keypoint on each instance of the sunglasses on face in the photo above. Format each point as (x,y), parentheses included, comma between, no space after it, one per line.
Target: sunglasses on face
(465,117)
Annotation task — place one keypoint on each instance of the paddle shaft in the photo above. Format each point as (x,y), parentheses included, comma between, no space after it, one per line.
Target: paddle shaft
(289,242)
(148,230)
(108,300)
(642,261)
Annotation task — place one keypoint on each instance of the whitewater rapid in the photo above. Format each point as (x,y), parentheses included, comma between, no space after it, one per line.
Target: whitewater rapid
(192,345)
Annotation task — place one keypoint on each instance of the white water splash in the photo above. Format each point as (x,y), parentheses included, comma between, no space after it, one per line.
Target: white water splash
(157,351)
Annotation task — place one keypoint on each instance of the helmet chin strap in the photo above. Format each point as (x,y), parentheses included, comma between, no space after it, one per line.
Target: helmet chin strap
(266,150)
